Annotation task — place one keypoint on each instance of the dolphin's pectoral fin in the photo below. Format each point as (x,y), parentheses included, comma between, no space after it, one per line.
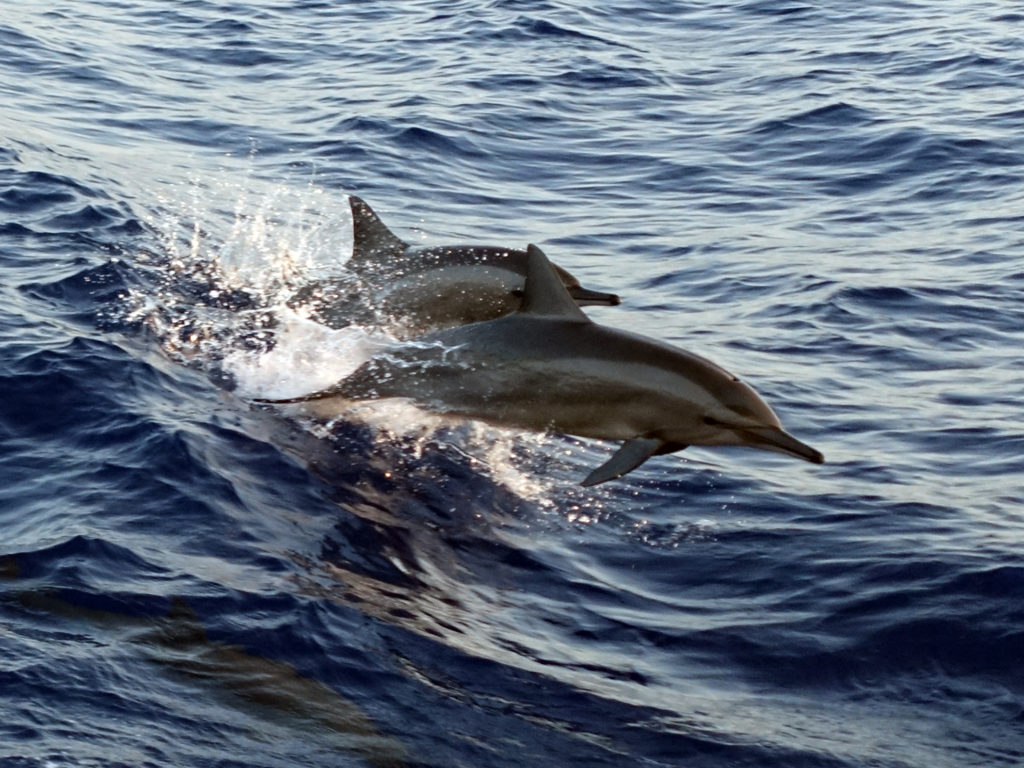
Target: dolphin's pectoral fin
(630,455)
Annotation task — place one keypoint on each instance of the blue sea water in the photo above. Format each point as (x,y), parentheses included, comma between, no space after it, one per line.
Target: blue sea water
(828,199)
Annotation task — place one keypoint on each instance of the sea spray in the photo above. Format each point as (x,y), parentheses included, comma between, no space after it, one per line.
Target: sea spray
(218,291)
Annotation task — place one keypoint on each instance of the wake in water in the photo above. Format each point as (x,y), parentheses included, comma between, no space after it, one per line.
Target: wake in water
(225,262)
(234,286)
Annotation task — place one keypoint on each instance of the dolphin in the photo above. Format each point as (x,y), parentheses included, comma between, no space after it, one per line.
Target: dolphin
(549,367)
(179,642)
(428,288)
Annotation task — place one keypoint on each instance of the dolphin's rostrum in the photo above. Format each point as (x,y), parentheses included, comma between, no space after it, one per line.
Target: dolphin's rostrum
(549,367)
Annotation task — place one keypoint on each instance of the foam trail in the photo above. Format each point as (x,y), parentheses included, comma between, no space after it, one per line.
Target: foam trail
(306,357)
(227,264)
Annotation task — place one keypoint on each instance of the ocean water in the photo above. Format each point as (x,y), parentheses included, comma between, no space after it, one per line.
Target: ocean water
(827,199)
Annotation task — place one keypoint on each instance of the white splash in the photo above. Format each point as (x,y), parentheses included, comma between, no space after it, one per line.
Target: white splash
(306,357)
(228,263)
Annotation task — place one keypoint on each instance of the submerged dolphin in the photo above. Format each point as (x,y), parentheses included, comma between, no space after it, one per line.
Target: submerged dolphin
(179,642)
(426,288)
(549,367)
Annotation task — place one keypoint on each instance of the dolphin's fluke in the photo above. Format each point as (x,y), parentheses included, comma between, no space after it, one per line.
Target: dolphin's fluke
(630,455)
(323,394)
(371,240)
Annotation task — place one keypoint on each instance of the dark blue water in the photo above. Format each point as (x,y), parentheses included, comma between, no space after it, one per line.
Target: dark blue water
(829,201)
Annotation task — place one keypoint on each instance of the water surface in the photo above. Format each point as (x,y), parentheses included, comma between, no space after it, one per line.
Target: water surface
(826,201)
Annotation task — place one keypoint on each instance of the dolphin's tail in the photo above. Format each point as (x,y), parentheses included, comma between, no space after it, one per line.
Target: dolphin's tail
(321,395)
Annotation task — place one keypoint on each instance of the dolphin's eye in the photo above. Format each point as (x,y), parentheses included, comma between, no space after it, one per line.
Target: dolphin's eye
(712,422)
(518,293)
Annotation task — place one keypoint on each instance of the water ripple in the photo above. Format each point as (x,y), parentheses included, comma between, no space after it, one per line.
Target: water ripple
(824,200)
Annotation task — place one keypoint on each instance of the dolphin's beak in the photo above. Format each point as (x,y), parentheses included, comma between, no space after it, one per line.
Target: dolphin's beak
(776,439)
(586,297)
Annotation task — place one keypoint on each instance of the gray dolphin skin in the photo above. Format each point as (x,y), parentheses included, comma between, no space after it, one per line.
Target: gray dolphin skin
(425,289)
(549,367)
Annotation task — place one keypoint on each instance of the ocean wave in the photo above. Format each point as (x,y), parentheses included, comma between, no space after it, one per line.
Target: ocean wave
(824,202)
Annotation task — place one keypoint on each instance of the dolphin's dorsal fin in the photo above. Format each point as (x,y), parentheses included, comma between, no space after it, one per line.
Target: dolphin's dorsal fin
(544,293)
(371,240)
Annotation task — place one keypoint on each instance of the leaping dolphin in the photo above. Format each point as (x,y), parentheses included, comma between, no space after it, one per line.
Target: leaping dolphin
(549,367)
(426,289)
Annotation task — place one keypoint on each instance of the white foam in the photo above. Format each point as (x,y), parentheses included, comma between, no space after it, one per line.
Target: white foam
(306,357)
(268,241)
